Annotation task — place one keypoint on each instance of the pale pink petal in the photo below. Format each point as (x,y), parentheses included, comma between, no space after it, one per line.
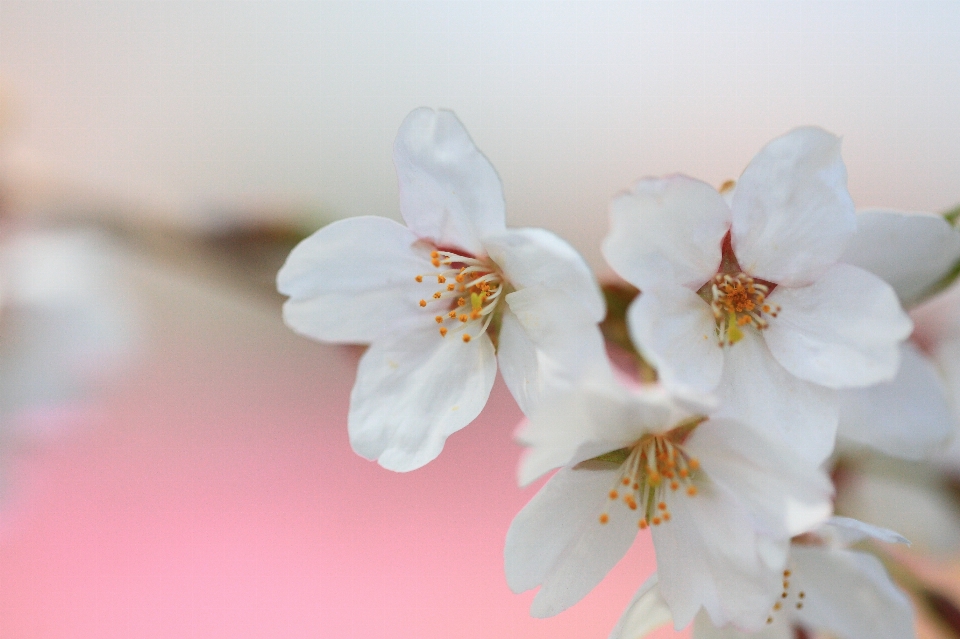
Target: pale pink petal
(792,214)
(353,280)
(449,192)
(908,417)
(849,594)
(842,331)
(758,390)
(909,251)
(667,231)
(785,493)
(535,258)
(675,331)
(415,389)
(558,542)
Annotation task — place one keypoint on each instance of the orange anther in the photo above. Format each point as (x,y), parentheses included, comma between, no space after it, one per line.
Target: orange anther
(662,506)
(441,279)
(674,485)
(666,516)
(459,277)
(625,481)
(466,337)
(691,490)
(461,301)
(450,287)
(443,331)
(694,463)
(463,318)
(437,295)
(684,473)
(604,518)
(642,524)
(656,521)
(452,314)
(435,254)
(419,278)
(435,262)
(439,319)
(423,302)
(614,494)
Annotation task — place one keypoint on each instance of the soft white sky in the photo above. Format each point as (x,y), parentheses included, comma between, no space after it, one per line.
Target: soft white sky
(197,106)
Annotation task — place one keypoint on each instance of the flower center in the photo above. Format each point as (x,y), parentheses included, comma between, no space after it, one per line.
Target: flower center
(737,301)
(469,290)
(650,470)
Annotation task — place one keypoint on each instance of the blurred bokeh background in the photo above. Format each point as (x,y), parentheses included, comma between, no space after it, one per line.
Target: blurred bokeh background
(191,475)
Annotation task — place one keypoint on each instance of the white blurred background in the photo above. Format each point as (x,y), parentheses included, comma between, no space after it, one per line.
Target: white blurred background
(204,112)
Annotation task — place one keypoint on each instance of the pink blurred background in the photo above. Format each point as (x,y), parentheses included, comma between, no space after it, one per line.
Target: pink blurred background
(209,489)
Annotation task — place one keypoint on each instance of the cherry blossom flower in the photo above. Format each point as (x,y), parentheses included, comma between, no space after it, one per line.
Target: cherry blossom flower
(910,419)
(825,587)
(749,299)
(910,416)
(721,499)
(442,299)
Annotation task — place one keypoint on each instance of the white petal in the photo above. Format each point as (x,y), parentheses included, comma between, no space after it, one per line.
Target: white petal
(703,628)
(757,390)
(903,496)
(596,417)
(908,417)
(785,493)
(841,331)
(547,339)
(449,192)
(909,251)
(353,280)
(668,231)
(850,594)
(709,555)
(558,542)
(535,258)
(847,531)
(646,612)
(792,214)
(415,389)
(676,332)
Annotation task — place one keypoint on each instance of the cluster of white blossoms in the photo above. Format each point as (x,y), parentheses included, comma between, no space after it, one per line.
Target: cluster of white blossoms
(773,315)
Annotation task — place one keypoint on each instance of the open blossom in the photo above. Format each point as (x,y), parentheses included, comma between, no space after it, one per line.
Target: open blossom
(442,299)
(825,588)
(910,416)
(721,499)
(749,299)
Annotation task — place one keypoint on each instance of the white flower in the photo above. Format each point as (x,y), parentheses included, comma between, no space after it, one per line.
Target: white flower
(913,416)
(441,299)
(721,499)
(826,588)
(749,298)
(909,416)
